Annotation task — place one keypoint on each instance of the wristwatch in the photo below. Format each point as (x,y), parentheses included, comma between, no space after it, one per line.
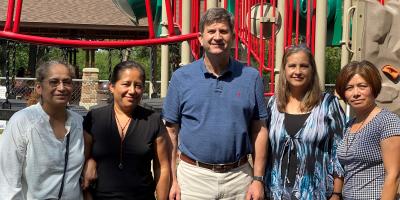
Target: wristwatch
(258,178)
(339,194)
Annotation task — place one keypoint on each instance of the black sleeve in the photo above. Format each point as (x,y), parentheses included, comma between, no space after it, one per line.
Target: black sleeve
(161,126)
(87,122)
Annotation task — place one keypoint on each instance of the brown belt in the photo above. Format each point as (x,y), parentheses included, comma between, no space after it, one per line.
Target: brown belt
(219,168)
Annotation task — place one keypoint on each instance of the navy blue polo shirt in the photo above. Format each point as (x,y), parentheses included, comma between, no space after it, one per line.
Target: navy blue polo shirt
(214,113)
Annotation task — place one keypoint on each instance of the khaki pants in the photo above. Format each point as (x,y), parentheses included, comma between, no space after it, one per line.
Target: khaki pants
(198,183)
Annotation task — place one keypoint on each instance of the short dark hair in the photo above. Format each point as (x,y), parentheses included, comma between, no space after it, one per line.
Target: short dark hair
(213,15)
(42,71)
(116,74)
(368,71)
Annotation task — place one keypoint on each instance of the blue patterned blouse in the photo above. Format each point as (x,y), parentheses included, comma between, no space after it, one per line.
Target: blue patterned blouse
(315,144)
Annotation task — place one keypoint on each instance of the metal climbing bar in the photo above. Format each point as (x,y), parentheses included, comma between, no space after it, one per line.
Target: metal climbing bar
(249,12)
(150,19)
(292,20)
(17,17)
(170,18)
(194,44)
(11,29)
(237,33)
(95,44)
(309,18)
(10,14)
(313,26)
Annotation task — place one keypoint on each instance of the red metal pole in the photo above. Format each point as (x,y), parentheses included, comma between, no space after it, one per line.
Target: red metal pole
(262,44)
(313,24)
(242,19)
(180,12)
(290,27)
(169,16)
(10,14)
(272,49)
(95,44)
(251,36)
(225,4)
(195,24)
(192,45)
(173,10)
(285,24)
(17,17)
(150,19)
(237,29)
(308,23)
(297,21)
(197,29)
(248,9)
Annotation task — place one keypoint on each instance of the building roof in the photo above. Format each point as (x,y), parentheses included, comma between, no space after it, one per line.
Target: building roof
(75,18)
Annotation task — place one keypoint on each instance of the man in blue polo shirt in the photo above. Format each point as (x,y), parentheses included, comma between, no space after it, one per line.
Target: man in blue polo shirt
(216,104)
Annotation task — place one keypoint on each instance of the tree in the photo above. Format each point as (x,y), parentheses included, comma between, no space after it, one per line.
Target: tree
(332,60)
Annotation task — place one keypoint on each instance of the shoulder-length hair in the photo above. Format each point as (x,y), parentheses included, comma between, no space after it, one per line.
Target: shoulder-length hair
(312,97)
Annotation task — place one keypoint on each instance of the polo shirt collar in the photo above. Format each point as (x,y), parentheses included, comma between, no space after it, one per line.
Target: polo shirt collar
(206,73)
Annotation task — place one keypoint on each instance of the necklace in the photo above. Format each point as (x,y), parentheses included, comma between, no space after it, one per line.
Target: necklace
(123,133)
(122,127)
(348,145)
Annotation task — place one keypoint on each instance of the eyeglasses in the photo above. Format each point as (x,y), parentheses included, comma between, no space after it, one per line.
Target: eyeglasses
(56,82)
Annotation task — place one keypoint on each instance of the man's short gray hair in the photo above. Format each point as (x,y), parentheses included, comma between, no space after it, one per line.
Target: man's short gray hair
(214,15)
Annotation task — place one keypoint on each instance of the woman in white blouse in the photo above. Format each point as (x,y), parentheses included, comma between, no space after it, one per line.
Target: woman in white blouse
(41,149)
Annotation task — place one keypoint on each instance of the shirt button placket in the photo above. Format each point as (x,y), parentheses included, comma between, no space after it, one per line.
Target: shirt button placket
(218,86)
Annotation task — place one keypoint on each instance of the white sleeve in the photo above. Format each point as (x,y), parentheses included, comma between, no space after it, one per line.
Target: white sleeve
(12,156)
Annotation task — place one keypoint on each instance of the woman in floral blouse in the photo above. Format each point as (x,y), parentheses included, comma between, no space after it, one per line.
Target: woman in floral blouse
(305,126)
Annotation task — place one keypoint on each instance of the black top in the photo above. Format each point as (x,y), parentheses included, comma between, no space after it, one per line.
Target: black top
(293,123)
(123,173)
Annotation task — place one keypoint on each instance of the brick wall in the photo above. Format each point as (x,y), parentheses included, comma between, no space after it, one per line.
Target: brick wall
(90,79)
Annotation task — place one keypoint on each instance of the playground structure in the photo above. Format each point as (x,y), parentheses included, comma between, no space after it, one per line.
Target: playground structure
(376,37)
(263,29)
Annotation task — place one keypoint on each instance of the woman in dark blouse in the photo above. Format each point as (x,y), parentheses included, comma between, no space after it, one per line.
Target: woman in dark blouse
(122,139)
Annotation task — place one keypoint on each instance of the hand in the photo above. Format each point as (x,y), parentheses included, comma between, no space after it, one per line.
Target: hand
(89,173)
(87,195)
(255,191)
(175,192)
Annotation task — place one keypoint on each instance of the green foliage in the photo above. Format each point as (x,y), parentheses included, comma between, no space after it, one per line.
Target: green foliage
(51,53)
(332,60)
(102,56)
(142,56)
(21,56)
(102,62)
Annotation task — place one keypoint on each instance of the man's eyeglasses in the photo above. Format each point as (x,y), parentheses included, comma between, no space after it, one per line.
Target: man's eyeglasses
(56,82)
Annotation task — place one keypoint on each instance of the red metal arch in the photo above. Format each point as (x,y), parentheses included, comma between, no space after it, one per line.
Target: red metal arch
(256,46)
(11,30)
(95,44)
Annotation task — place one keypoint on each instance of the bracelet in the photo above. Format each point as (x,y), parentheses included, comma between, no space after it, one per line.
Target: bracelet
(339,194)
